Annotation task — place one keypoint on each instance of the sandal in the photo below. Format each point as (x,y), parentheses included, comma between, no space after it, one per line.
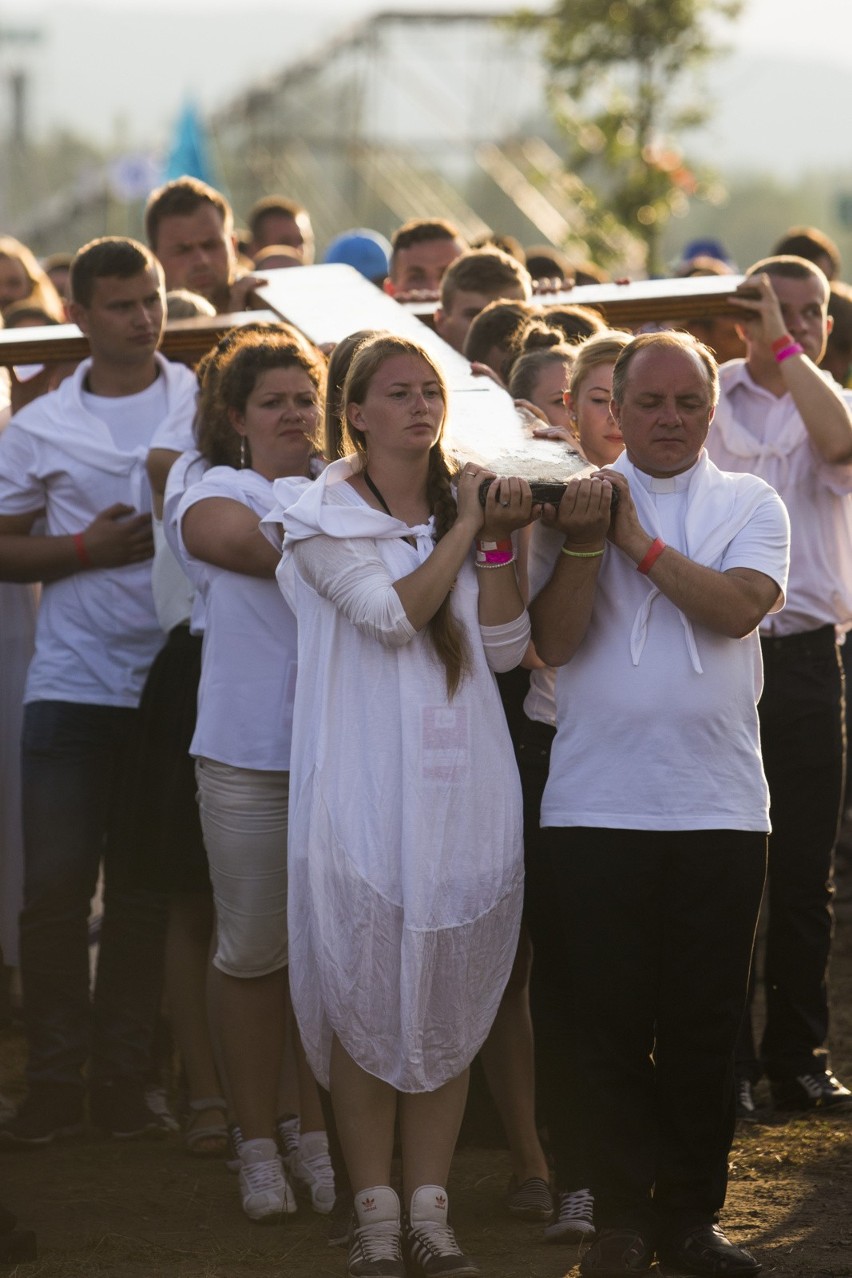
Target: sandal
(207,1140)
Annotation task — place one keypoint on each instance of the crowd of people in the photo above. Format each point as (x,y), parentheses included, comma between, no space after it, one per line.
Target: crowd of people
(377,762)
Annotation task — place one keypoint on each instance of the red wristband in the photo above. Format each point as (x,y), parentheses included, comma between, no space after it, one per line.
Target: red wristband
(653,553)
(81,551)
(780,343)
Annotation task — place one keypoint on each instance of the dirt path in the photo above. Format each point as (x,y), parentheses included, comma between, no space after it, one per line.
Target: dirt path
(147,1210)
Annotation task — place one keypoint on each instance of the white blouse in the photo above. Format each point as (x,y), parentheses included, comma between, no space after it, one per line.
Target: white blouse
(248,658)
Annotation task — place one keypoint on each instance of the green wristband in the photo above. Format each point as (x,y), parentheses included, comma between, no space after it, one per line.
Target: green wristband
(583,554)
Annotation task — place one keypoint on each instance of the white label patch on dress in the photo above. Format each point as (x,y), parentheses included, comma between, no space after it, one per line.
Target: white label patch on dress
(445,741)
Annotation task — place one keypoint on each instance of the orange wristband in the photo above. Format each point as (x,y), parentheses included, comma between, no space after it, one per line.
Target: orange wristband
(653,553)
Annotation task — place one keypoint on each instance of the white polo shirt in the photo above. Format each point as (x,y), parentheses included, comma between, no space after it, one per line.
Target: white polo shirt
(657,724)
(762,433)
(97,631)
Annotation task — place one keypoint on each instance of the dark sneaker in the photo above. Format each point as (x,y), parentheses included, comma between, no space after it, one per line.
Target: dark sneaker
(810,1091)
(376,1251)
(431,1248)
(707,1253)
(529,1200)
(617,1253)
(573,1218)
(122,1110)
(746,1108)
(375,1248)
(45,1115)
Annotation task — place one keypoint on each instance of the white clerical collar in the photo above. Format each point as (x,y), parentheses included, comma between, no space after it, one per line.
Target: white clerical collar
(668,484)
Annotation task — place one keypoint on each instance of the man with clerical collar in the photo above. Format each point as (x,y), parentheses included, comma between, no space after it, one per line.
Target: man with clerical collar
(784,419)
(75,514)
(655,812)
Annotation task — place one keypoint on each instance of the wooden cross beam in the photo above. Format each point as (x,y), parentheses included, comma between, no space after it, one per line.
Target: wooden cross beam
(621,304)
(61,343)
(328,303)
(633,304)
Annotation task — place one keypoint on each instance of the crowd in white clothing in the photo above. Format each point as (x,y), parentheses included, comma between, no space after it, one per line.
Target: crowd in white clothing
(318,817)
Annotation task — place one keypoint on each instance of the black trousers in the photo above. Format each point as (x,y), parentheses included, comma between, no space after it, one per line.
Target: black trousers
(803,739)
(547,988)
(657,932)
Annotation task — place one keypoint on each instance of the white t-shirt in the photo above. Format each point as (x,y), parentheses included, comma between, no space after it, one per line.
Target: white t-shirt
(764,434)
(540,701)
(657,724)
(405,846)
(173,594)
(189,469)
(97,631)
(248,659)
(128,417)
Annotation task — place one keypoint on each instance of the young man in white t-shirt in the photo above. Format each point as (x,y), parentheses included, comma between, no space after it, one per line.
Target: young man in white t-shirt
(655,811)
(75,515)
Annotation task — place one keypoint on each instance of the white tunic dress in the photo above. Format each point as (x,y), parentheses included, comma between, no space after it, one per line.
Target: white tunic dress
(405,846)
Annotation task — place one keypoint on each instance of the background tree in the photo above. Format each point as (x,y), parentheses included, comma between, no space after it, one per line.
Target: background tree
(623,90)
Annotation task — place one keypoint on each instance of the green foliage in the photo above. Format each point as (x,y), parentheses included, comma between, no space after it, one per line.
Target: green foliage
(617,71)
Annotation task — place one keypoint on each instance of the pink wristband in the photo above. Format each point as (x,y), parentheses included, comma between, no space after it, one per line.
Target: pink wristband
(81,551)
(495,557)
(795,349)
(780,343)
(495,561)
(494,553)
(652,554)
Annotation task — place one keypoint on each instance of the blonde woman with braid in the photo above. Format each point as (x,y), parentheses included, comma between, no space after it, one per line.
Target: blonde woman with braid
(405,851)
